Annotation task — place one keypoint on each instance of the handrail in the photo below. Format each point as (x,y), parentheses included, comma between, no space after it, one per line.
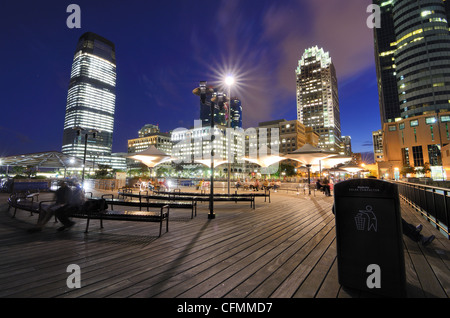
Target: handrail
(429,202)
(421,185)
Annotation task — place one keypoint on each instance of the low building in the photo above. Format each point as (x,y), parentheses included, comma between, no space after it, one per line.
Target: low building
(417,142)
(377,137)
(149,135)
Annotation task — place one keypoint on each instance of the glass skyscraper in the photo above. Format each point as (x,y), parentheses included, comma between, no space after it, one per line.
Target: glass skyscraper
(236,113)
(91,99)
(413,58)
(385,64)
(220,115)
(422,56)
(317,97)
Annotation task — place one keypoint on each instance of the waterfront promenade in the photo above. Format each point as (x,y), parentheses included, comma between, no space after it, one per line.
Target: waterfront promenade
(282,249)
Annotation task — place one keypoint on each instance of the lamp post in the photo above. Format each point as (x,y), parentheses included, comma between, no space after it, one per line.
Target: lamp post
(86,134)
(229,81)
(203,91)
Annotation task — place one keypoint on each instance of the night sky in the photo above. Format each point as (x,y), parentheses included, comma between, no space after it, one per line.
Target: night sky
(164,48)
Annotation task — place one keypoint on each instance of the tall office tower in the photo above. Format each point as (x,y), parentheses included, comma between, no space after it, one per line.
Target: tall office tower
(220,115)
(317,97)
(205,111)
(347,145)
(422,56)
(385,46)
(236,113)
(91,99)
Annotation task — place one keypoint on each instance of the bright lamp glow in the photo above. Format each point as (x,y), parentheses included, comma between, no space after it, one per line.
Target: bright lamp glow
(229,80)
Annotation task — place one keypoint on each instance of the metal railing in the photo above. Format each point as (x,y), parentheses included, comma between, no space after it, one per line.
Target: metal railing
(432,202)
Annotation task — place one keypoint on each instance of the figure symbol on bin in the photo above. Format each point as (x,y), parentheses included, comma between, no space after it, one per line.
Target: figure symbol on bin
(366,220)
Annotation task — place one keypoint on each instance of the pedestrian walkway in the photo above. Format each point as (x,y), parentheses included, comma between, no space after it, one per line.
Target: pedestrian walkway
(282,249)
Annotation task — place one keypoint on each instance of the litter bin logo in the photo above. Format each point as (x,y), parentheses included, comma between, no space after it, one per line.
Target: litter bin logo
(366,220)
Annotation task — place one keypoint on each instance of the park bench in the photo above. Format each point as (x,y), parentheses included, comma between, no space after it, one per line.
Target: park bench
(264,193)
(24,201)
(97,209)
(158,202)
(203,197)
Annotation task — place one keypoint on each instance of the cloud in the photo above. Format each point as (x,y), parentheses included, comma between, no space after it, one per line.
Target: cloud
(368,143)
(264,42)
(337,26)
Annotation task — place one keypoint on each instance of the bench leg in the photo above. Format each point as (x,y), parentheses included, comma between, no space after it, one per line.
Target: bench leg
(87,226)
(167,224)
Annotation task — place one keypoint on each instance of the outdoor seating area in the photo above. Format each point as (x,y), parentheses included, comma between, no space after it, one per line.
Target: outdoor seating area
(190,196)
(99,212)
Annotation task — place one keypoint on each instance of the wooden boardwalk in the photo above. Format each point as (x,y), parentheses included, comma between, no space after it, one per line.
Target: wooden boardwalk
(282,249)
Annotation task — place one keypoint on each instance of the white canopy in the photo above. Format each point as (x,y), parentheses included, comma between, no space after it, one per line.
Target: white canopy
(265,158)
(207,162)
(309,155)
(330,162)
(151,157)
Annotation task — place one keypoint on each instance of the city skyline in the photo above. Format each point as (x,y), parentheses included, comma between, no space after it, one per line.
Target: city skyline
(160,62)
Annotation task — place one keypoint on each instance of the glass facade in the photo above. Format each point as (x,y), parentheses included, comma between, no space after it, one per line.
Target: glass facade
(236,113)
(91,99)
(205,111)
(385,64)
(412,54)
(221,115)
(317,97)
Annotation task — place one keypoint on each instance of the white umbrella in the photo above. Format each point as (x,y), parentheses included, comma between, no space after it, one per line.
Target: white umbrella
(151,157)
(330,162)
(352,168)
(265,158)
(309,156)
(207,162)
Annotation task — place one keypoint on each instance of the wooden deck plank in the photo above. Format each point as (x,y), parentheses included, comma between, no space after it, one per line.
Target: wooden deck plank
(195,259)
(267,278)
(315,281)
(245,259)
(270,256)
(283,249)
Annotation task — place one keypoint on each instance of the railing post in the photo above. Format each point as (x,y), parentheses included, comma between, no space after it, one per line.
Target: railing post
(446,214)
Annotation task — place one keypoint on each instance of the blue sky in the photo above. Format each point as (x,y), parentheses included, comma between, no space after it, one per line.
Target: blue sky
(163,50)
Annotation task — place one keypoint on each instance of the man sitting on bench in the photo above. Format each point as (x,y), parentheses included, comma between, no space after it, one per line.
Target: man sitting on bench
(76,202)
(63,195)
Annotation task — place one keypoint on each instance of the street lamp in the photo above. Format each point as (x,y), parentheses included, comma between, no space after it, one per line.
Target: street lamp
(203,91)
(229,81)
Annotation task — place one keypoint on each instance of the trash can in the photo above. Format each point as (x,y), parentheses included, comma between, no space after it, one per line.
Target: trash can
(369,237)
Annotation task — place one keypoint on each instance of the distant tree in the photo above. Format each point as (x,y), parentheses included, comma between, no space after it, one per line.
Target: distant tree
(102,172)
(407,169)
